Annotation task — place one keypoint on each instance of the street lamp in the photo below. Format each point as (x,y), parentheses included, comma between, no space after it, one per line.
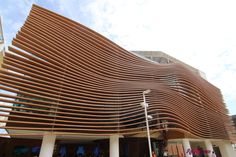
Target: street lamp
(145,105)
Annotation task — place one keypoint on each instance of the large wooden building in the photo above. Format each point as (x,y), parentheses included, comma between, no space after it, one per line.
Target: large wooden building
(78,91)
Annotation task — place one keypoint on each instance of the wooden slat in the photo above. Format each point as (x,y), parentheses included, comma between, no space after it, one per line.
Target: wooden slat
(70,80)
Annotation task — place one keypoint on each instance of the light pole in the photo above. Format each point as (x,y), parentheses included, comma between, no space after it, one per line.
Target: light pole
(145,105)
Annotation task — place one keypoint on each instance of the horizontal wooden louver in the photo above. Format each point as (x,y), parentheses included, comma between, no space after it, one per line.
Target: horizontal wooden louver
(60,76)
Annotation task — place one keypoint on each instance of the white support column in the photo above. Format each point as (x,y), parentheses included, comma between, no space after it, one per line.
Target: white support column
(47,146)
(226,149)
(209,147)
(187,148)
(114,146)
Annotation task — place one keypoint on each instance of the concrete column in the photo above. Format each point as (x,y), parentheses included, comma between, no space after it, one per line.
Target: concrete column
(47,146)
(187,148)
(114,146)
(209,147)
(226,149)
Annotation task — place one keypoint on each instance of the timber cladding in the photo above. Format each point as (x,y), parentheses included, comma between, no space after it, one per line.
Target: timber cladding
(65,78)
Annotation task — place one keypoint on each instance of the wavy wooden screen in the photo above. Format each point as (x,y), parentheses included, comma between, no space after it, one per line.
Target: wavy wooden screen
(63,77)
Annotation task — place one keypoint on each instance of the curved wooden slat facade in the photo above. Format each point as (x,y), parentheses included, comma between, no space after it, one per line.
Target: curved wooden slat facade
(71,80)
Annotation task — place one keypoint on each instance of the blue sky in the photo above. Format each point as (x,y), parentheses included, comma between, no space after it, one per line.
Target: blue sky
(201,33)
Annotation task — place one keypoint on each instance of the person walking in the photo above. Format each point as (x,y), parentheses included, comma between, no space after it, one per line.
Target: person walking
(154,154)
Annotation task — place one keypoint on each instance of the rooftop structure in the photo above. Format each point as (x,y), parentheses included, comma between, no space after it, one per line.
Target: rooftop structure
(163,58)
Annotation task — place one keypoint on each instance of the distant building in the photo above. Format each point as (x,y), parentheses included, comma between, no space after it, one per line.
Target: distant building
(1,42)
(234,119)
(163,58)
(1,60)
(234,122)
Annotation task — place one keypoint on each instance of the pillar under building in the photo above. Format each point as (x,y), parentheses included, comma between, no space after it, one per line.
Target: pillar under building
(47,146)
(187,148)
(114,146)
(209,147)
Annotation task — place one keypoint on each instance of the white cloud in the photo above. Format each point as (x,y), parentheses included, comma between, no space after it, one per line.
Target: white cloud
(14,13)
(73,9)
(200,33)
